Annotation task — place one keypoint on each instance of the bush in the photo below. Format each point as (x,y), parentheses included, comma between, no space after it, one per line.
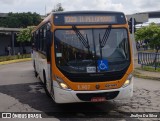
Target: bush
(7,58)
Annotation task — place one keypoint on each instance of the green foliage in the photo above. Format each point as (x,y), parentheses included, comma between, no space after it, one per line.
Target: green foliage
(7,58)
(58,8)
(25,34)
(20,20)
(151,33)
(149,68)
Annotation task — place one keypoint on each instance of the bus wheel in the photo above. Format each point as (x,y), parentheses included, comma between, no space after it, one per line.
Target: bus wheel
(45,85)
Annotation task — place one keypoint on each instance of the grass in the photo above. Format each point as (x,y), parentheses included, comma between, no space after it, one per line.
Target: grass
(148,68)
(139,75)
(149,51)
(14,57)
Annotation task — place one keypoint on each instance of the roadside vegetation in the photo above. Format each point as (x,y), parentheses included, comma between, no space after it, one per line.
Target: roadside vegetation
(20,20)
(137,74)
(151,35)
(14,57)
(148,68)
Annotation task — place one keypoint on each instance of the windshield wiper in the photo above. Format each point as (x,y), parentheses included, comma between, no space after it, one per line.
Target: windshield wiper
(81,37)
(104,39)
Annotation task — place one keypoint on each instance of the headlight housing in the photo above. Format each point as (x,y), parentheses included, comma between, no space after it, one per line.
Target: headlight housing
(62,84)
(128,81)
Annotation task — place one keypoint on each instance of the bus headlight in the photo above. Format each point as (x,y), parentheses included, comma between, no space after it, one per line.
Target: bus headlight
(62,84)
(128,81)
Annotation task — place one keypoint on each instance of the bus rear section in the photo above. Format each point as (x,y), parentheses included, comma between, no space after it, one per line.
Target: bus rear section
(93,59)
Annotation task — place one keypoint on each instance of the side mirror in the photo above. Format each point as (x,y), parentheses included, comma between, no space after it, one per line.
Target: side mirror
(132,25)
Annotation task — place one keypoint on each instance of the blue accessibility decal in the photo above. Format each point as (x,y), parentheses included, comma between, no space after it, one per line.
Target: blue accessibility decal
(102,65)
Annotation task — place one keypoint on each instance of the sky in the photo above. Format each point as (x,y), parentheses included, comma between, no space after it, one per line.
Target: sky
(38,6)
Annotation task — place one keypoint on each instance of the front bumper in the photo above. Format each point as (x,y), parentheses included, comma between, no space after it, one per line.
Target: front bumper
(64,96)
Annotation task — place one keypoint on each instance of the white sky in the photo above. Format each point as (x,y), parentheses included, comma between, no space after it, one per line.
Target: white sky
(38,6)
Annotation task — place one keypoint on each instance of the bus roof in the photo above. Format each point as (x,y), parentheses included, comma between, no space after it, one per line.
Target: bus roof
(88,18)
(48,18)
(86,12)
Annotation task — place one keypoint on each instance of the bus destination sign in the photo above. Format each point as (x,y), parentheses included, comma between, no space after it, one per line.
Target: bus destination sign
(89,19)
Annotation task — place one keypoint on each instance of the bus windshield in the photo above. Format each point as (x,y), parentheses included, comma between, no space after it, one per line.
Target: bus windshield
(92,50)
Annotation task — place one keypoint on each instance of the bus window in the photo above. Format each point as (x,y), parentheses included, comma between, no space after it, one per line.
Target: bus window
(73,55)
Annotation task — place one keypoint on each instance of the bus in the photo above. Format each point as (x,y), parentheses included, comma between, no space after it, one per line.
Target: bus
(84,56)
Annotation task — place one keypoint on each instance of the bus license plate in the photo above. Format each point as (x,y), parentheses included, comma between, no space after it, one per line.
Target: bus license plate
(98,99)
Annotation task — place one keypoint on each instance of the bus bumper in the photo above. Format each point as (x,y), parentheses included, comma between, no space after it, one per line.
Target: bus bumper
(64,96)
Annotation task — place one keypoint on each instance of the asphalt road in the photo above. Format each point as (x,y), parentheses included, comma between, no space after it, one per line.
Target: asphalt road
(20,91)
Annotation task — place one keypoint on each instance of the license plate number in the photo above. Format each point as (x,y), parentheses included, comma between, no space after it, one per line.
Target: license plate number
(98,99)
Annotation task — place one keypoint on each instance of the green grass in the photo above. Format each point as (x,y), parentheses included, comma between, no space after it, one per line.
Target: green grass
(149,68)
(148,51)
(7,58)
(139,75)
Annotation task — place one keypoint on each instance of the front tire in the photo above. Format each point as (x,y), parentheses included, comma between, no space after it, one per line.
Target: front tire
(45,85)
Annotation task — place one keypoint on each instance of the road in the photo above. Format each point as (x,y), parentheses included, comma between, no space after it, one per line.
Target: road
(20,91)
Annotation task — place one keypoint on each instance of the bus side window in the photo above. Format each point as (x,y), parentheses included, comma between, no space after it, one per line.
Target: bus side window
(48,42)
(33,40)
(44,39)
(41,39)
(37,39)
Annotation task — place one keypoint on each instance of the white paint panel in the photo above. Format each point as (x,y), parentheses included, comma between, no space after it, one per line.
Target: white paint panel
(64,96)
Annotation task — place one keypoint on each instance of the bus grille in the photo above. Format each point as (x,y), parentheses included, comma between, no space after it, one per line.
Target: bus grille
(89,96)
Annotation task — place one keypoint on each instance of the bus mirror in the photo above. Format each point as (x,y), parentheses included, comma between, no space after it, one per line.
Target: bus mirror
(132,25)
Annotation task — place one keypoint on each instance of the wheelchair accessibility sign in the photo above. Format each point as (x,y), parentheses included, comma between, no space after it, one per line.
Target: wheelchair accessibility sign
(102,65)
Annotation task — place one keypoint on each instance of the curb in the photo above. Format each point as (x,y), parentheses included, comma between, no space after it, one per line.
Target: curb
(139,75)
(15,61)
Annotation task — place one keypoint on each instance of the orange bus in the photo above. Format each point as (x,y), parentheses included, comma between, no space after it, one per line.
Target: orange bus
(84,56)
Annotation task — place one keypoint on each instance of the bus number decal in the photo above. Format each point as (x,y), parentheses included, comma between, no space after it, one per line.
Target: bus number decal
(83,87)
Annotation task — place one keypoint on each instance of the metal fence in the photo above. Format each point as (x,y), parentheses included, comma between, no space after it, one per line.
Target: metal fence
(148,59)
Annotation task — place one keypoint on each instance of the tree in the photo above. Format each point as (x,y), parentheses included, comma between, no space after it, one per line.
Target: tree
(152,34)
(20,20)
(58,8)
(25,35)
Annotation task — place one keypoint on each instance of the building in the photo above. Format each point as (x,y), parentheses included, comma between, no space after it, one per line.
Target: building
(8,38)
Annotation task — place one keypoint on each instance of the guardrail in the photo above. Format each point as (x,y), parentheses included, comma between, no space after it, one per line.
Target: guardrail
(149,59)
